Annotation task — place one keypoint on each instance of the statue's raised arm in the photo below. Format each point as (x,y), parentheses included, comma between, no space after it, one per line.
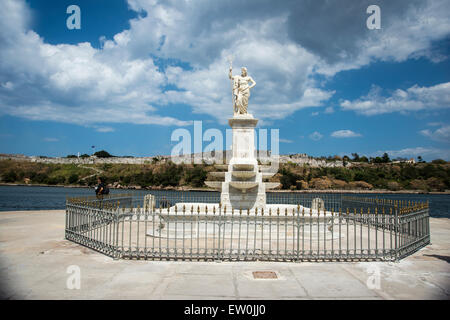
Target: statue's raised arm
(241,90)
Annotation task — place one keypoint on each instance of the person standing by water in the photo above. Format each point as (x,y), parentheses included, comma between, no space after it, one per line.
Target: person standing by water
(101,188)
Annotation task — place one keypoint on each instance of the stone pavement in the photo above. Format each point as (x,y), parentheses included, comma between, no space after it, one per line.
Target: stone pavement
(34,258)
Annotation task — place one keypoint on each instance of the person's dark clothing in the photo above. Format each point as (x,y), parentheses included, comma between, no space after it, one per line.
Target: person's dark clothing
(101,189)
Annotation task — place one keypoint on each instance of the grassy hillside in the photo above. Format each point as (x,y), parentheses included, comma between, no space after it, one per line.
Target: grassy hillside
(420,176)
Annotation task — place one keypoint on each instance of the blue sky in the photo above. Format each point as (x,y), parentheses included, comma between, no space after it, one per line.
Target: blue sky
(139,69)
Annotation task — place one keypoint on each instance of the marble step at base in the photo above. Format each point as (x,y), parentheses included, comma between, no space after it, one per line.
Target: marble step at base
(243,185)
(259,231)
(263,168)
(206,209)
(243,167)
(214,184)
(221,166)
(271,185)
(267,175)
(243,174)
(218,175)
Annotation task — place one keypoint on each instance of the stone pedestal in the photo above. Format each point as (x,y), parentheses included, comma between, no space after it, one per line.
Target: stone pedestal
(243,187)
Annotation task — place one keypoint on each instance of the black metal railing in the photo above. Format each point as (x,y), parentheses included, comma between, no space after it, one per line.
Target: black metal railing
(156,226)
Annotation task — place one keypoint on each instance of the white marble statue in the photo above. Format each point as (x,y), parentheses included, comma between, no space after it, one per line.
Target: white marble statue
(241,90)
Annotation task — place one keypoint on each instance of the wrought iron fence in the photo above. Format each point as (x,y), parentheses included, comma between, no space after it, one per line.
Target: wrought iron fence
(155,225)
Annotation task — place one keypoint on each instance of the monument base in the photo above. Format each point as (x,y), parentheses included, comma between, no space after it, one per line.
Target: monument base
(204,220)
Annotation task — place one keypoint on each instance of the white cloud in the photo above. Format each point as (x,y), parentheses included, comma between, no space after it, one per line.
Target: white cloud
(434,124)
(316,136)
(286,141)
(121,83)
(441,134)
(314,114)
(431,153)
(408,32)
(7,85)
(329,110)
(74,83)
(345,134)
(414,98)
(51,139)
(104,129)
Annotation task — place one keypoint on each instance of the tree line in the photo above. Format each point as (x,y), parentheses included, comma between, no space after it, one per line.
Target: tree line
(434,176)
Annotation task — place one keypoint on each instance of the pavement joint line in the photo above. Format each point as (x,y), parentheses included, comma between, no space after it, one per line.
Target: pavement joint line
(167,277)
(438,286)
(299,282)
(427,282)
(379,293)
(235,282)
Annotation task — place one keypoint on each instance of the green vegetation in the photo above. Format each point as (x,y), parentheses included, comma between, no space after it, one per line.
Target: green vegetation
(380,175)
(147,175)
(434,176)
(102,154)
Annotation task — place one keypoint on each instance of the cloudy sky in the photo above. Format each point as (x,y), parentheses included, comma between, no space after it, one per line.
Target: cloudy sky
(139,69)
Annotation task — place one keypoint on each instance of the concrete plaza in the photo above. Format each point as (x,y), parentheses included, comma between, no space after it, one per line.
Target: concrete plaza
(34,259)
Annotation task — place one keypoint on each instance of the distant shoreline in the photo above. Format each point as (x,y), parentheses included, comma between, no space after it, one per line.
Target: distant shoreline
(271,191)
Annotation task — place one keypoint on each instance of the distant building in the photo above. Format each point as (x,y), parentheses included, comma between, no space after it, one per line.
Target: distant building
(410,161)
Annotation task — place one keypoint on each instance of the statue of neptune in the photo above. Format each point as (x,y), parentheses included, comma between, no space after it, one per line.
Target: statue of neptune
(241,90)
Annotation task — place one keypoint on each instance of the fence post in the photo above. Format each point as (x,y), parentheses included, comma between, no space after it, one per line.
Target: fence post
(67,219)
(396,230)
(298,231)
(218,256)
(428,222)
(116,249)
